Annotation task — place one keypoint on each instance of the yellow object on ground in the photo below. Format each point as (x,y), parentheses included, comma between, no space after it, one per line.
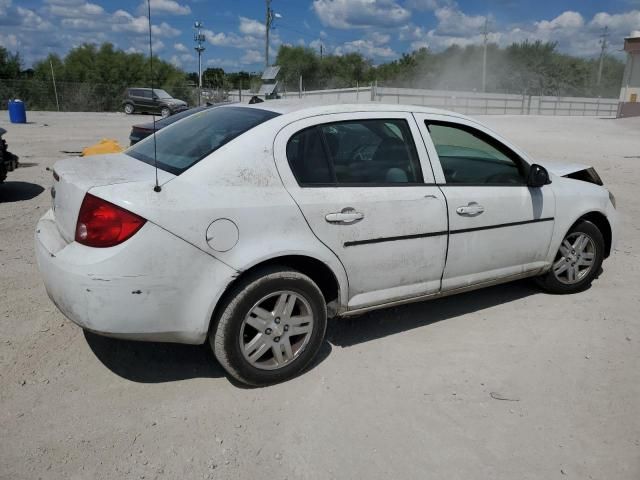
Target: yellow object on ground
(106,145)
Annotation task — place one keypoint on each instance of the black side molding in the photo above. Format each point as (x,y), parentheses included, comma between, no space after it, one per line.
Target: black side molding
(438,234)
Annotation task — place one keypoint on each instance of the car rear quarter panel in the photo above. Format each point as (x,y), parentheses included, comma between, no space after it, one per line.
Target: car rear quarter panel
(238,182)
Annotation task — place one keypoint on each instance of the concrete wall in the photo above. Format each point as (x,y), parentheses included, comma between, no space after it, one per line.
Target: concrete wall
(471,103)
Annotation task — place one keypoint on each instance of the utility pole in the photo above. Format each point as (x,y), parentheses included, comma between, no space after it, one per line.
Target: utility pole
(268,22)
(603,51)
(53,79)
(485,33)
(199,38)
(321,52)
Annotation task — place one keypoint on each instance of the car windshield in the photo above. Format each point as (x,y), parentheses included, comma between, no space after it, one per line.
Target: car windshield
(161,93)
(185,143)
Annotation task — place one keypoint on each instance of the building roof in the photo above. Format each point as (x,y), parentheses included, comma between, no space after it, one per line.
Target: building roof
(632,44)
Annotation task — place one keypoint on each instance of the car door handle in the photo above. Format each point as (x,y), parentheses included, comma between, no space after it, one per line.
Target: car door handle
(470,210)
(346,215)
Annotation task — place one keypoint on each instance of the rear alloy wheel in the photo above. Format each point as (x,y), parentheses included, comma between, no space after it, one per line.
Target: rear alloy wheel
(128,108)
(577,262)
(165,112)
(270,327)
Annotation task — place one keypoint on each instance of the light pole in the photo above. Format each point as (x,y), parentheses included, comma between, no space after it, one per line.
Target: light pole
(199,38)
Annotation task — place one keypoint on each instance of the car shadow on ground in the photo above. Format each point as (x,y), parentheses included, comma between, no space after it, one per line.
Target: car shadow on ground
(155,362)
(19,191)
(152,362)
(347,332)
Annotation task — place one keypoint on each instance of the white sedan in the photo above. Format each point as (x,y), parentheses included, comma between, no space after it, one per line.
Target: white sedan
(268,219)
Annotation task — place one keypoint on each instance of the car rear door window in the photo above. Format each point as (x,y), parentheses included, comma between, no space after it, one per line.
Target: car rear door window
(469,156)
(359,152)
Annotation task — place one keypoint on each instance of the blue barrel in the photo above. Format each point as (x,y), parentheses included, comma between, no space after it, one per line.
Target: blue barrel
(17,111)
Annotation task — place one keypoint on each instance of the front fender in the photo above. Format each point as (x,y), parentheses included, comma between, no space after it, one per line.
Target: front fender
(574,200)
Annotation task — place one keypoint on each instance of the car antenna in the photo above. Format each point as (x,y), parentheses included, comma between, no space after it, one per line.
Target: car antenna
(156,187)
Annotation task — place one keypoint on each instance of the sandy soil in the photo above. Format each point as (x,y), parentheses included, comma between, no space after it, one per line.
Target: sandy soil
(402,393)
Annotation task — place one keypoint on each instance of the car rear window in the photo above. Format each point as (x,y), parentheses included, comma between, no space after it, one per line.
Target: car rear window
(183,144)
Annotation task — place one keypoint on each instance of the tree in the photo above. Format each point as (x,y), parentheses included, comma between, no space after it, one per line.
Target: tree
(9,64)
(213,78)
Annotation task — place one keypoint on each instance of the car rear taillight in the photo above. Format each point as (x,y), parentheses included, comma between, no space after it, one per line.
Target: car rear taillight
(102,224)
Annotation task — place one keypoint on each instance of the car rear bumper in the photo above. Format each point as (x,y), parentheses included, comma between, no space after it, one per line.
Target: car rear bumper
(153,287)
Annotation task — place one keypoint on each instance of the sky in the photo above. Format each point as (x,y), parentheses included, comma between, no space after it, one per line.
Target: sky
(379,29)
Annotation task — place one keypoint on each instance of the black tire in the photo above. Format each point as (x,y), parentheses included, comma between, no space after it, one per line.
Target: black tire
(227,324)
(549,281)
(129,108)
(165,112)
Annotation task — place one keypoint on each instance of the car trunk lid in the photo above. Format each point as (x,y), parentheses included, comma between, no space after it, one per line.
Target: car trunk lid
(74,177)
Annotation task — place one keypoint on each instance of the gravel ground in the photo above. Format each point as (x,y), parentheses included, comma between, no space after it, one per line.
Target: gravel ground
(502,383)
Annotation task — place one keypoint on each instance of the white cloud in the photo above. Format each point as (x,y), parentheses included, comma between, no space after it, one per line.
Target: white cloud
(180,47)
(10,41)
(75,10)
(125,22)
(182,60)
(452,21)
(248,26)
(379,38)
(570,30)
(251,56)
(624,23)
(366,48)
(157,46)
(360,13)
(164,6)
(567,19)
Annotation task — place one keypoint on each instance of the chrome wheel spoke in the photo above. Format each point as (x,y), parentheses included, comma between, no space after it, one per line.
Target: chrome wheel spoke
(280,337)
(565,248)
(580,243)
(560,266)
(571,274)
(583,262)
(261,319)
(277,354)
(287,350)
(257,347)
(300,325)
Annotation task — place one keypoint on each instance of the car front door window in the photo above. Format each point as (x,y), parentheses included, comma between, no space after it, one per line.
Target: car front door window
(471,157)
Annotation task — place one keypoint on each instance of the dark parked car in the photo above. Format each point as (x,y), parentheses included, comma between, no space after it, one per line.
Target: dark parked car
(8,161)
(143,130)
(149,100)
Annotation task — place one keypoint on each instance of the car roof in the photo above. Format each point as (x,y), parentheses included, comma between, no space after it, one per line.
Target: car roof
(307,109)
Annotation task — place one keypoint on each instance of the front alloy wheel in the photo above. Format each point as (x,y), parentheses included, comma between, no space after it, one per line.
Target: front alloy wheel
(575,258)
(577,261)
(269,326)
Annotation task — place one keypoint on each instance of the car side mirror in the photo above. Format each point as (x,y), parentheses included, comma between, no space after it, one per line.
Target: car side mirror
(538,176)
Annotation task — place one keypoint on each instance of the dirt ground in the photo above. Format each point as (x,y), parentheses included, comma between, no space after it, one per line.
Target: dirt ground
(502,383)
